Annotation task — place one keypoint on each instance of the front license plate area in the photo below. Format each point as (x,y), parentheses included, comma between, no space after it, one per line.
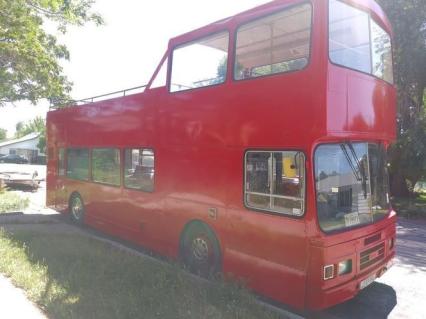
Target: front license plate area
(367,281)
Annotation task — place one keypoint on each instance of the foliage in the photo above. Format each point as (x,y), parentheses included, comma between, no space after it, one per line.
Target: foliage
(408,19)
(38,124)
(3,134)
(412,207)
(29,56)
(12,202)
(408,156)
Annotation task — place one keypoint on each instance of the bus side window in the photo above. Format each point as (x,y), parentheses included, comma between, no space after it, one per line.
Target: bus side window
(106,166)
(61,162)
(275,181)
(139,169)
(277,43)
(200,63)
(78,164)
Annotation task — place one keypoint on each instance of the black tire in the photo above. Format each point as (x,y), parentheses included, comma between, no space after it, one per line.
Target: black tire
(200,251)
(76,209)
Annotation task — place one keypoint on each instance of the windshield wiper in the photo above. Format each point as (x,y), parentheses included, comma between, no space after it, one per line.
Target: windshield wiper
(360,173)
(351,164)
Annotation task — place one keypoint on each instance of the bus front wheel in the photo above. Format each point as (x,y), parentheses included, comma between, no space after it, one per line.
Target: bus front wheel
(200,251)
(76,207)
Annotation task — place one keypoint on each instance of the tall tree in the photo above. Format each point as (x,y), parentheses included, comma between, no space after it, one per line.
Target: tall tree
(408,155)
(29,56)
(3,134)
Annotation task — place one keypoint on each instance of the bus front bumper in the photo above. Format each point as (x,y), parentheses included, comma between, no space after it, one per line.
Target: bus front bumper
(330,297)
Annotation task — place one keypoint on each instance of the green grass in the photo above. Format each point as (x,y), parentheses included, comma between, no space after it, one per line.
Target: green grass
(410,207)
(422,198)
(72,276)
(12,202)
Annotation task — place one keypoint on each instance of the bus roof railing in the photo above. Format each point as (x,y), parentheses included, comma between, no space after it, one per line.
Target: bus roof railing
(57,103)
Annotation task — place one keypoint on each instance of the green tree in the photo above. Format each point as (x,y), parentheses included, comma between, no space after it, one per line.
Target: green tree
(29,56)
(408,19)
(38,125)
(3,134)
(19,126)
(408,155)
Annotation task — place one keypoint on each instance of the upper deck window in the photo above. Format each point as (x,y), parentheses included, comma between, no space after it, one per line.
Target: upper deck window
(274,44)
(200,63)
(381,53)
(357,42)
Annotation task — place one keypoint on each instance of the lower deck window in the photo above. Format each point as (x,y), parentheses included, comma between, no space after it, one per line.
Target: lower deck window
(78,163)
(106,166)
(139,169)
(275,181)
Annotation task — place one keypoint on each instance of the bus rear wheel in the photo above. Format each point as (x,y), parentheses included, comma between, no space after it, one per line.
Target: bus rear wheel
(76,208)
(200,250)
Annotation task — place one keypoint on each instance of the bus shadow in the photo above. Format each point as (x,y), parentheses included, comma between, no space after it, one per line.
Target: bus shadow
(374,302)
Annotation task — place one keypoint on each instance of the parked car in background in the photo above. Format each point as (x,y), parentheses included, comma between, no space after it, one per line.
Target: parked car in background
(420,187)
(13,158)
(20,179)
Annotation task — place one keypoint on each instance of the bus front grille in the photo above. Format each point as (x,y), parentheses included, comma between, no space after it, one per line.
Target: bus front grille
(372,256)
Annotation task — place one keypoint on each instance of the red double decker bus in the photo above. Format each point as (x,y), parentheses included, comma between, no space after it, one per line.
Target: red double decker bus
(258,148)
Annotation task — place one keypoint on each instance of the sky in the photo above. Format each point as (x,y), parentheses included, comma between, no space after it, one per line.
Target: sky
(126,50)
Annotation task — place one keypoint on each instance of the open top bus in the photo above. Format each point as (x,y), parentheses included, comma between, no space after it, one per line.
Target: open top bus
(258,149)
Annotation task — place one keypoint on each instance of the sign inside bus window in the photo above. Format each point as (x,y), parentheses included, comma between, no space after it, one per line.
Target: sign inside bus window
(297,211)
(352,219)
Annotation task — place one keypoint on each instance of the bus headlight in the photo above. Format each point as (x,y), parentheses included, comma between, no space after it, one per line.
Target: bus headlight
(345,267)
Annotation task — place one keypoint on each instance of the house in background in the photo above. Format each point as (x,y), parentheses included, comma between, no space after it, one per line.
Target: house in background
(25,146)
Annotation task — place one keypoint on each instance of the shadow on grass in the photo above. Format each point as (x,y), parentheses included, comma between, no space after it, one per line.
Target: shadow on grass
(74,276)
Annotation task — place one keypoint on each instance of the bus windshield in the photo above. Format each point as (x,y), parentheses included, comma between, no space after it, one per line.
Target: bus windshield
(352,185)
